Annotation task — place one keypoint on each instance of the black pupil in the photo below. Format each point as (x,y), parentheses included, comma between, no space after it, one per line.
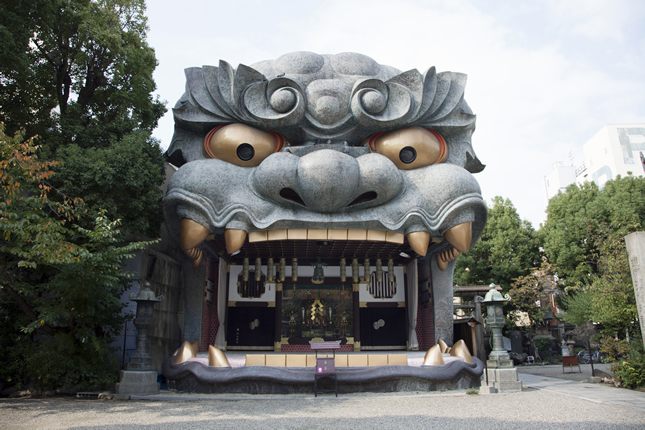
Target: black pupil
(245,152)
(408,154)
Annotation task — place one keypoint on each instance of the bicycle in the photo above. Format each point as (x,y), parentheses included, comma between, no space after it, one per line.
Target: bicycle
(598,357)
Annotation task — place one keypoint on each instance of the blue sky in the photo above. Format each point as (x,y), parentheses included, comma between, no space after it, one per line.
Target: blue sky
(543,76)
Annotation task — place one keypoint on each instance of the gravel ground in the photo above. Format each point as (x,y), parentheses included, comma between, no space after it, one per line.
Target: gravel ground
(448,410)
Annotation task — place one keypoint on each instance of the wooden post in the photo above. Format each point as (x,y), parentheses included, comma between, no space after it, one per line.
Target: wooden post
(277,335)
(357,319)
(480,351)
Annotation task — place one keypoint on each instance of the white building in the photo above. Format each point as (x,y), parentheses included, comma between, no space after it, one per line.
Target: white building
(614,150)
(617,149)
(559,179)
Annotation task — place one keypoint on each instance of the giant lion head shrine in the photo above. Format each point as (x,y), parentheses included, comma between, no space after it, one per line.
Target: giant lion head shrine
(322,201)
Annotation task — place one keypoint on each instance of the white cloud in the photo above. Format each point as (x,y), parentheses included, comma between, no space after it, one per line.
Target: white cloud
(600,19)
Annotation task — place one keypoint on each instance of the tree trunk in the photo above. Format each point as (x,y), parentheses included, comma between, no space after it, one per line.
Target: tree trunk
(593,373)
(22,304)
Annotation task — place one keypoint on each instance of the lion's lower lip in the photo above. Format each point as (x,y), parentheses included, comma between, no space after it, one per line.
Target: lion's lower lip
(326,234)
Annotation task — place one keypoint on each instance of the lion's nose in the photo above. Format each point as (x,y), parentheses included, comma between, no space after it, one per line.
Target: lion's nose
(327,180)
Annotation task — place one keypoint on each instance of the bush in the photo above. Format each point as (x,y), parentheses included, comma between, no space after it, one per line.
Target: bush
(542,344)
(63,362)
(630,372)
(616,349)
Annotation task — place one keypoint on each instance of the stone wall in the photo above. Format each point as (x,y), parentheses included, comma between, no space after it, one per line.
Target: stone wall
(210,323)
(168,322)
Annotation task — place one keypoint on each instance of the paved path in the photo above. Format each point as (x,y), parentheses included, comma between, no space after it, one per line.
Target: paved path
(597,393)
(555,371)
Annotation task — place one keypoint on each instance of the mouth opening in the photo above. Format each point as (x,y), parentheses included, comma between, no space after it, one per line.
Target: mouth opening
(328,245)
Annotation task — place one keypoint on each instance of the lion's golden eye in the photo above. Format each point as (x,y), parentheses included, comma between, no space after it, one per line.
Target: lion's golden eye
(410,148)
(241,145)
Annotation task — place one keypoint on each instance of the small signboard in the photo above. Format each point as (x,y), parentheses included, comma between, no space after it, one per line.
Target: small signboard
(325,365)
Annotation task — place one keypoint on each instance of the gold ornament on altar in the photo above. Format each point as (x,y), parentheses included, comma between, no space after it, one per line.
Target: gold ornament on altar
(316,310)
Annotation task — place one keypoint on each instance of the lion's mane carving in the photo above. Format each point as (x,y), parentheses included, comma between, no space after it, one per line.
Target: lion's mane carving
(307,97)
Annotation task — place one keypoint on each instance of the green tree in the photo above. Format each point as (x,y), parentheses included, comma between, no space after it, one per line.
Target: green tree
(531,294)
(508,249)
(608,298)
(531,297)
(571,236)
(565,232)
(79,73)
(60,284)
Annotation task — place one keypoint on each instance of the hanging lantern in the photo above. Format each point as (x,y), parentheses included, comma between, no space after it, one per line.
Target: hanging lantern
(343,270)
(390,270)
(294,269)
(366,271)
(379,270)
(258,269)
(270,270)
(245,270)
(282,269)
(355,270)
(319,272)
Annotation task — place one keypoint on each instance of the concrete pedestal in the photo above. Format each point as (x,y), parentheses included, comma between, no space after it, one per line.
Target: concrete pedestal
(502,378)
(140,383)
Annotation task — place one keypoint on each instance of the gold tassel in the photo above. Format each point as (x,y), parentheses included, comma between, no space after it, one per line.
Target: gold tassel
(282,269)
(270,277)
(366,270)
(258,269)
(355,271)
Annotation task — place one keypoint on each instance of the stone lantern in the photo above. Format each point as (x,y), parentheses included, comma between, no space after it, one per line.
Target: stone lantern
(139,376)
(494,303)
(501,375)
